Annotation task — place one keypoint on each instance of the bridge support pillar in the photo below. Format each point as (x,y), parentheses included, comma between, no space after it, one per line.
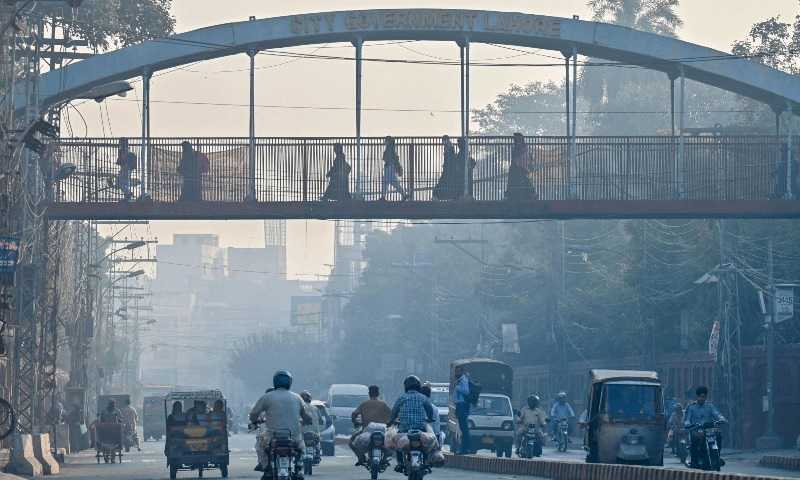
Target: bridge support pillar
(251,171)
(789,154)
(574,142)
(681,141)
(465,112)
(144,195)
(359,44)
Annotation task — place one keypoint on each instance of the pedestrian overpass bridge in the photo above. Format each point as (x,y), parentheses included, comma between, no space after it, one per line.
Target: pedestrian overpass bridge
(611,177)
(576,177)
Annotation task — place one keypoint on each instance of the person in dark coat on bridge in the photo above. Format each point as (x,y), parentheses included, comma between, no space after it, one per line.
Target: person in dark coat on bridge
(339,174)
(189,169)
(519,183)
(447,186)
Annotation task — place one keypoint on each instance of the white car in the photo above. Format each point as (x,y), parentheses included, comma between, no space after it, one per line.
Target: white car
(327,434)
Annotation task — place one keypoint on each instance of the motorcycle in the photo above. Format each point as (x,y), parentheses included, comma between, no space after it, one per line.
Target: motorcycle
(311,457)
(415,460)
(531,445)
(680,444)
(282,454)
(378,459)
(562,435)
(128,437)
(709,459)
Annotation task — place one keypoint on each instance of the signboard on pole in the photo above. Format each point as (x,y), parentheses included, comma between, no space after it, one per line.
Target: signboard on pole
(9,256)
(785,298)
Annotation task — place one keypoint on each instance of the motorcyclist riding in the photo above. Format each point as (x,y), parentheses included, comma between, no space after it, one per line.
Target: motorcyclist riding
(283,410)
(561,410)
(316,421)
(412,410)
(532,414)
(373,410)
(129,419)
(698,413)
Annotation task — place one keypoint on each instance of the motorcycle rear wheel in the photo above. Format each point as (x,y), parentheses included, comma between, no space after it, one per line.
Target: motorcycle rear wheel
(308,466)
(374,469)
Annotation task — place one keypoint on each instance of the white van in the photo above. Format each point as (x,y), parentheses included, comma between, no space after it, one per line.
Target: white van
(341,401)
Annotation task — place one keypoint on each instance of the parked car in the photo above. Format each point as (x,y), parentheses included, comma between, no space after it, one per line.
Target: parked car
(342,399)
(327,435)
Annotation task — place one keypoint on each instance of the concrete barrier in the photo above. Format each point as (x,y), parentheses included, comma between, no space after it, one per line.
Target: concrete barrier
(41,449)
(23,461)
(780,461)
(559,470)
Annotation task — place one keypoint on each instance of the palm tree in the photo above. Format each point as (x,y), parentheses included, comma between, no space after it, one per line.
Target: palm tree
(654,16)
(605,86)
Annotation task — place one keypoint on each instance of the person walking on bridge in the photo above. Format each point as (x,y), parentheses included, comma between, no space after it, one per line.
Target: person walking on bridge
(391,169)
(189,169)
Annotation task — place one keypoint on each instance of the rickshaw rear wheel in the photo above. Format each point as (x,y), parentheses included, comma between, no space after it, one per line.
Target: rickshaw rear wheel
(173,471)
(200,473)
(223,469)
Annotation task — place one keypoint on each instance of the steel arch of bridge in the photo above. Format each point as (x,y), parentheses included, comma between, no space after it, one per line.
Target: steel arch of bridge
(594,39)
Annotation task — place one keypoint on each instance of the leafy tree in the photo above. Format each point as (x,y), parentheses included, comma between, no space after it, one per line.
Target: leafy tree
(535,109)
(254,359)
(776,44)
(108,24)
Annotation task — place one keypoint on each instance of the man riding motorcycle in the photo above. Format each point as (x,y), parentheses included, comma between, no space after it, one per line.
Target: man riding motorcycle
(561,410)
(373,410)
(698,413)
(532,414)
(283,410)
(129,420)
(316,422)
(412,411)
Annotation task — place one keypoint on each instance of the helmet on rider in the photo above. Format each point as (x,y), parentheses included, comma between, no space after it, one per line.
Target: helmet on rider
(562,397)
(306,396)
(412,383)
(533,401)
(282,379)
(678,407)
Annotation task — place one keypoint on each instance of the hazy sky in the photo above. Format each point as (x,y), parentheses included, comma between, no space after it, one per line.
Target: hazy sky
(284,87)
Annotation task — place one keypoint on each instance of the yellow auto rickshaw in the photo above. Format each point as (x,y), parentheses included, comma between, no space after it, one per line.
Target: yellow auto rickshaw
(625,418)
(197,432)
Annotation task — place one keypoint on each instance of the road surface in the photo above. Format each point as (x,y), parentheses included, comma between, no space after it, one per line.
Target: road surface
(150,464)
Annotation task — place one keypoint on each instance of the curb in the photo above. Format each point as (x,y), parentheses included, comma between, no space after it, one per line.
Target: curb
(779,461)
(559,470)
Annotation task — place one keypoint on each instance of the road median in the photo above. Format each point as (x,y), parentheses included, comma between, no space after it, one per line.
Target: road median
(560,470)
(780,461)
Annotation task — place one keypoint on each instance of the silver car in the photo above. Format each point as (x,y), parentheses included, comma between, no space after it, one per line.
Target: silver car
(328,431)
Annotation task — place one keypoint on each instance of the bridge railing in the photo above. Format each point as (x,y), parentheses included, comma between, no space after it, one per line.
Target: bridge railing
(294,169)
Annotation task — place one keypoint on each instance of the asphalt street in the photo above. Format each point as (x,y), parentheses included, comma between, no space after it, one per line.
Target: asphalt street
(150,463)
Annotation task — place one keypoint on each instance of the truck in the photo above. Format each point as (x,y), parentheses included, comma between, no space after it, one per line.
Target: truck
(491,420)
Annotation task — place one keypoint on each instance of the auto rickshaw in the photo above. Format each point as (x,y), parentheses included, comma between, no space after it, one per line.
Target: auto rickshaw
(108,436)
(197,438)
(625,418)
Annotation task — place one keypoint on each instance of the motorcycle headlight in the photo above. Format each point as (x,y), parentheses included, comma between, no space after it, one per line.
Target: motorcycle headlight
(507,425)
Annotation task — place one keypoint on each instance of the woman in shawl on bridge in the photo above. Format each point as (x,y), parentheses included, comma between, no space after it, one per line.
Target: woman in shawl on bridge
(447,188)
(519,182)
(189,169)
(339,185)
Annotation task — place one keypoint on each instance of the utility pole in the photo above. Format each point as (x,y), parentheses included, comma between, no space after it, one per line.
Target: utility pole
(770,440)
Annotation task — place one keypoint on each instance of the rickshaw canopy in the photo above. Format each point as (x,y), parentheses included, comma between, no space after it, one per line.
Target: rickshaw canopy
(601,375)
